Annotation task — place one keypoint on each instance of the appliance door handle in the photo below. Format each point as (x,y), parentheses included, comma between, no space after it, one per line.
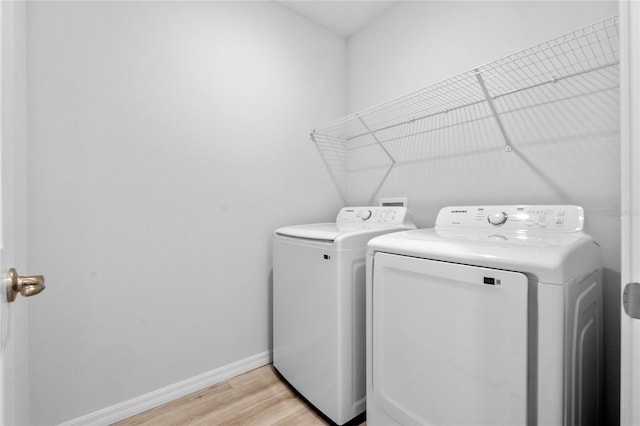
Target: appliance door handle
(631,300)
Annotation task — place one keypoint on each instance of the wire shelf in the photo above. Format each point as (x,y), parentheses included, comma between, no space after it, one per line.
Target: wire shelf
(579,63)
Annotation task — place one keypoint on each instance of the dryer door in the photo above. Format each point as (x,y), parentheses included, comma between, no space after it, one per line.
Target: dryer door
(449,343)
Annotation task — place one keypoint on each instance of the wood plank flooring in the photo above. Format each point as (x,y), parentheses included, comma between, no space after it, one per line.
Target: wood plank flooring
(259,397)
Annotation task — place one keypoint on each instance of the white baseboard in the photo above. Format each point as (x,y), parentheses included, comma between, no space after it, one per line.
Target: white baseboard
(158,397)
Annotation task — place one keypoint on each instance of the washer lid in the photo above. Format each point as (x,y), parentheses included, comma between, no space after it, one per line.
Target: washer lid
(316,231)
(330,232)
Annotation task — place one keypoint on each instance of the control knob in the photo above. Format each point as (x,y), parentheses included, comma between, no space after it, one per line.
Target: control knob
(497,218)
(367,214)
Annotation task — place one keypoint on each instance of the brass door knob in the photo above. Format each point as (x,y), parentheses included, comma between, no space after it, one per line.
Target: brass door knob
(26,286)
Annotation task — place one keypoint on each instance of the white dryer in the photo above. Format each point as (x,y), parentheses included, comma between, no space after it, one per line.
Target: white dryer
(319,306)
(493,317)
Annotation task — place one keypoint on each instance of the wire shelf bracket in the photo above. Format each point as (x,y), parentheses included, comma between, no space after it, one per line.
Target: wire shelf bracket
(494,112)
(340,188)
(391,166)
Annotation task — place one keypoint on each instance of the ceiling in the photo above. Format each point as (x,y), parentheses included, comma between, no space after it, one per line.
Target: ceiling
(342,17)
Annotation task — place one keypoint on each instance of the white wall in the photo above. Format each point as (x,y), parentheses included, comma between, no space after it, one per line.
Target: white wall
(567,153)
(441,39)
(167,141)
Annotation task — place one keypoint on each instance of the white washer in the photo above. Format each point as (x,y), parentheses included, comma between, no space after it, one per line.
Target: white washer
(319,306)
(493,317)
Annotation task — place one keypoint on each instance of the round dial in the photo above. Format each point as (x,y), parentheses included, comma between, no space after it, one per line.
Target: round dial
(497,218)
(366,215)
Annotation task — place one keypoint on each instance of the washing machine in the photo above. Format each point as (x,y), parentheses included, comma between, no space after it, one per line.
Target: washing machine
(319,306)
(493,317)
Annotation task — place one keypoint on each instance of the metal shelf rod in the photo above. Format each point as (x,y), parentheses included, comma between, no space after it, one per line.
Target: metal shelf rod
(555,80)
(412,120)
(373,135)
(470,104)
(493,109)
(326,164)
(422,132)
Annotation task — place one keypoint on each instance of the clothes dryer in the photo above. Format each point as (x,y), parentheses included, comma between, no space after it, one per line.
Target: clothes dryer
(493,317)
(319,306)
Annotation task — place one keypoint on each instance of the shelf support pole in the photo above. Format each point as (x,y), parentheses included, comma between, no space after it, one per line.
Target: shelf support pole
(343,195)
(494,111)
(375,138)
(393,161)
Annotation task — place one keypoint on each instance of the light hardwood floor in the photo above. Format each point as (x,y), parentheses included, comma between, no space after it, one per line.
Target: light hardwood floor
(258,397)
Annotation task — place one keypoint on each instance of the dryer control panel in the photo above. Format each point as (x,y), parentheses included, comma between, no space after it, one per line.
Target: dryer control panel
(373,215)
(555,218)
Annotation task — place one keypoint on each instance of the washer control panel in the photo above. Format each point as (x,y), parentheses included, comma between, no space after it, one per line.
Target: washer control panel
(558,218)
(373,215)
